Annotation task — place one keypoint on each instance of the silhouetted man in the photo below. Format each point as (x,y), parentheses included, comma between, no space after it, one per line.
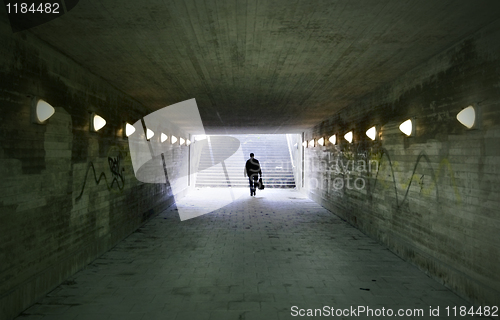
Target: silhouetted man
(252,170)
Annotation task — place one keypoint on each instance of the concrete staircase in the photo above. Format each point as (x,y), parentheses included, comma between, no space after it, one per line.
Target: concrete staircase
(271,151)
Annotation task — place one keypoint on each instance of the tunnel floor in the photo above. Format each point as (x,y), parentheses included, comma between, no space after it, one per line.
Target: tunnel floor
(255,258)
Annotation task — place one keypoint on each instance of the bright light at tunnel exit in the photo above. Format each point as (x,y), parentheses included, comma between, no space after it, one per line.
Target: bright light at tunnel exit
(184,117)
(200,137)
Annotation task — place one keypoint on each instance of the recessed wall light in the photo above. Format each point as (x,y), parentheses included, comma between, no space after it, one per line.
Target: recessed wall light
(163,137)
(467,117)
(408,127)
(174,139)
(372,133)
(188,142)
(333,139)
(129,129)
(348,136)
(321,141)
(181,141)
(41,111)
(149,133)
(311,143)
(96,122)
(304,144)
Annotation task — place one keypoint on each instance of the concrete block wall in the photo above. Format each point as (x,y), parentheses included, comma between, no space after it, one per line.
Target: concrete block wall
(66,195)
(296,152)
(433,198)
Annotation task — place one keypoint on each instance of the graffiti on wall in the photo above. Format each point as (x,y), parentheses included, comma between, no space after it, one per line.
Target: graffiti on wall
(116,174)
(354,170)
(405,183)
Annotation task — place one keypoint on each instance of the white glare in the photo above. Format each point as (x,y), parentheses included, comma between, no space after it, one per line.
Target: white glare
(181,141)
(311,143)
(321,141)
(174,139)
(149,134)
(200,137)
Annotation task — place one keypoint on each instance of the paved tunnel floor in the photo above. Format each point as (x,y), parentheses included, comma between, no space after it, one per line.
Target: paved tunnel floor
(255,258)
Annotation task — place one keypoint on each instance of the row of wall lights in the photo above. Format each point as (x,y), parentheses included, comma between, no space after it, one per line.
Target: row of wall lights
(41,111)
(130,129)
(467,117)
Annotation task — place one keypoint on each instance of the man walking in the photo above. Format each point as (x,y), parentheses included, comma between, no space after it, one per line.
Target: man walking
(252,170)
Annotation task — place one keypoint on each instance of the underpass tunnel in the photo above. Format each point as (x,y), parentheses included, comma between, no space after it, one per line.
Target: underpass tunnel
(126,127)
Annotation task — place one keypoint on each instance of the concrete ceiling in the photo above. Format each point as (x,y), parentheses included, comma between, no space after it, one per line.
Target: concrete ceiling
(259,66)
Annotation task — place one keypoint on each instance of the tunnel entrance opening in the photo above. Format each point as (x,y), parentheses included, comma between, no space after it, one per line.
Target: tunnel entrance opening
(218,161)
(217,164)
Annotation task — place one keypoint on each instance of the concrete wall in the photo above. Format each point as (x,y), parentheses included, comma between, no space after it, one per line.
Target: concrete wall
(433,198)
(55,217)
(296,151)
(195,157)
